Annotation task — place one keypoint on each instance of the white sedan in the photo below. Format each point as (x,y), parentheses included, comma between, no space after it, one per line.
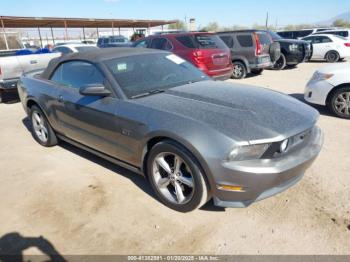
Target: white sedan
(329,47)
(330,86)
(73,48)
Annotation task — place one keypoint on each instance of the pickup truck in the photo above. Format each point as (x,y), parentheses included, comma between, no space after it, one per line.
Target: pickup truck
(13,66)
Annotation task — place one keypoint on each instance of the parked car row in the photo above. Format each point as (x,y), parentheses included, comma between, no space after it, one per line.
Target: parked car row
(221,56)
(251,51)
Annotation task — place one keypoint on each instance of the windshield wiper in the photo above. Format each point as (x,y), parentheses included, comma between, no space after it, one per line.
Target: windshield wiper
(156,91)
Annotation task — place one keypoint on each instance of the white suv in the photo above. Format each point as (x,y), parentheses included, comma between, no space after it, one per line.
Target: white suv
(341,32)
(330,47)
(330,86)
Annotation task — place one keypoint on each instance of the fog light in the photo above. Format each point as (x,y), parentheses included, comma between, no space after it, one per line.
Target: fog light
(284,146)
(231,188)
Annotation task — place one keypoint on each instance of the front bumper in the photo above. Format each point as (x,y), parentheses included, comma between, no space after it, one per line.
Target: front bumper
(316,92)
(264,178)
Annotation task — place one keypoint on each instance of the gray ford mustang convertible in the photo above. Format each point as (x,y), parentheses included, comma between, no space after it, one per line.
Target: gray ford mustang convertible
(152,112)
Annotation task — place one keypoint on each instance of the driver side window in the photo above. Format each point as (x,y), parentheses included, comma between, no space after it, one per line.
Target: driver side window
(76,74)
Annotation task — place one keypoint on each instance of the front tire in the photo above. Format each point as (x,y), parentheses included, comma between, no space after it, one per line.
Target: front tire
(332,57)
(281,63)
(176,178)
(339,103)
(239,70)
(41,129)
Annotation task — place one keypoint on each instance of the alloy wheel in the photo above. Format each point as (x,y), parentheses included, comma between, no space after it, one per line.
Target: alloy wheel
(173,178)
(238,71)
(342,103)
(40,130)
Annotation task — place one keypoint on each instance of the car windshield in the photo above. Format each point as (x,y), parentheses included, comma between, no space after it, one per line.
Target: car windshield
(85,48)
(142,75)
(274,35)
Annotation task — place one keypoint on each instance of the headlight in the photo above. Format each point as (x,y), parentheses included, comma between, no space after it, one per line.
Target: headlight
(284,146)
(293,47)
(247,152)
(320,76)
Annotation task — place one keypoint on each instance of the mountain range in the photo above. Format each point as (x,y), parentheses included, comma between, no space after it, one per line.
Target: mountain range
(344,16)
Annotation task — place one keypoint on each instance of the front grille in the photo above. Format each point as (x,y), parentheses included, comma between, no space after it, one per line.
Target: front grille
(293,142)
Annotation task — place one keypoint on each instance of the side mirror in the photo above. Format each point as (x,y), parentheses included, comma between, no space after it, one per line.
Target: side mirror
(94,90)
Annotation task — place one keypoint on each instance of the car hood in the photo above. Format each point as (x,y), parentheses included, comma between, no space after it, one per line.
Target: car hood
(244,113)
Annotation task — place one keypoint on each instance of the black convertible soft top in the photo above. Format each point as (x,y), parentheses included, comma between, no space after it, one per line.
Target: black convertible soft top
(97,56)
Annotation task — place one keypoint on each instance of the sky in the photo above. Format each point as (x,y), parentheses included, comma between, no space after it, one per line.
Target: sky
(225,12)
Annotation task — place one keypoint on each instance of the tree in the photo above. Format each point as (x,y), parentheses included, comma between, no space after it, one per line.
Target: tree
(179,25)
(341,23)
(211,27)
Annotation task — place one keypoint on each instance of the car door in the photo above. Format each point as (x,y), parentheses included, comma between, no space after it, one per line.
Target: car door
(88,120)
(321,45)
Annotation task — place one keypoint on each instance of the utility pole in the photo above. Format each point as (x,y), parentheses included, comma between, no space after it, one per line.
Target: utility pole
(267,20)
(276,25)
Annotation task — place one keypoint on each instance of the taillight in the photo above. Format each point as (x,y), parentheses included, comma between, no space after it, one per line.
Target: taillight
(347,44)
(257,44)
(198,57)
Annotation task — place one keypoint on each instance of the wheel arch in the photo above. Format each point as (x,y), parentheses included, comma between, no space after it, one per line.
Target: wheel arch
(151,142)
(334,89)
(243,60)
(33,102)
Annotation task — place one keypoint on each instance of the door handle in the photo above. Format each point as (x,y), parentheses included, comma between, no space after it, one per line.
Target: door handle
(33,62)
(60,98)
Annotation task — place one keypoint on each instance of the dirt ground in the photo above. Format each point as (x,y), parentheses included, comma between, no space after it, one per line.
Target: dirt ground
(82,204)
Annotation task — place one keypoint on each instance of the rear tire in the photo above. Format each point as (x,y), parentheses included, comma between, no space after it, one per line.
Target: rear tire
(281,63)
(332,57)
(239,70)
(41,129)
(180,187)
(339,103)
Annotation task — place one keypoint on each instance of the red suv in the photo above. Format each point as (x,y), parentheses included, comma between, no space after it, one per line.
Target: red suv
(205,50)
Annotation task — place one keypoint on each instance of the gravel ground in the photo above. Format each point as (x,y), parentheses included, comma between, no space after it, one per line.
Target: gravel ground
(82,204)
